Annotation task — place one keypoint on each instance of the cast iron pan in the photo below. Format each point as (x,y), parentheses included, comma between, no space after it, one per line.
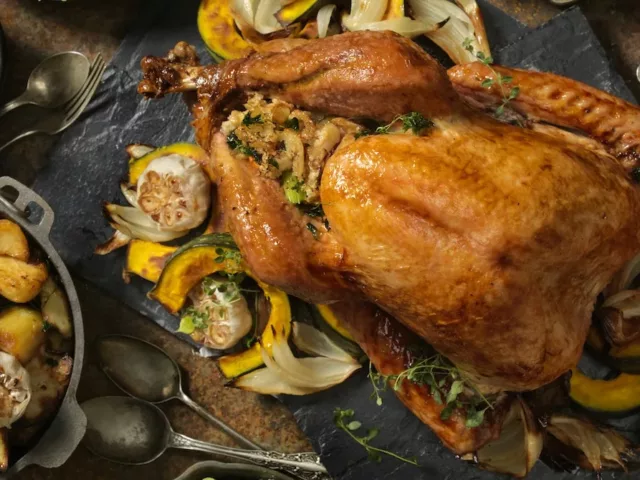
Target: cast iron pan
(67,428)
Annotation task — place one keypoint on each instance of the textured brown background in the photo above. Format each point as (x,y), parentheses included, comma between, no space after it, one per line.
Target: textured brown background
(35,30)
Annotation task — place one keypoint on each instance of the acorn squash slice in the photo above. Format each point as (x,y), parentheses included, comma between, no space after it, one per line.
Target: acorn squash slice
(327,322)
(190,150)
(218,31)
(237,364)
(617,396)
(299,10)
(188,265)
(147,259)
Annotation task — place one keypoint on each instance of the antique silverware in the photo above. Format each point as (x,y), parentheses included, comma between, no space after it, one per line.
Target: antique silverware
(62,118)
(53,82)
(133,432)
(146,372)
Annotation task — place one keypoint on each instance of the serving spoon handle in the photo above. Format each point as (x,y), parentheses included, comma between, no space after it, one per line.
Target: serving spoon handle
(23,99)
(305,465)
(238,437)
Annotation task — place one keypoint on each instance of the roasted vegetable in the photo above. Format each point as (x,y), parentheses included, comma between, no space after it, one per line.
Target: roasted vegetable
(286,374)
(619,317)
(21,332)
(4,450)
(328,323)
(20,282)
(55,310)
(219,315)
(238,364)
(299,10)
(330,319)
(617,396)
(13,243)
(598,447)
(169,193)
(138,165)
(517,449)
(15,390)
(218,30)
(49,379)
(147,259)
(192,262)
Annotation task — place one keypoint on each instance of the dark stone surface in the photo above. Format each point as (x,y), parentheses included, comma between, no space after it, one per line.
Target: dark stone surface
(37,29)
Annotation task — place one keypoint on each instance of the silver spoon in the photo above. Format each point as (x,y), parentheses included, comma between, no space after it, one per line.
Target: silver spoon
(129,431)
(144,371)
(54,82)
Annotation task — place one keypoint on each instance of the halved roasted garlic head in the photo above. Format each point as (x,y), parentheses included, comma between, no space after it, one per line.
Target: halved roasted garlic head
(15,389)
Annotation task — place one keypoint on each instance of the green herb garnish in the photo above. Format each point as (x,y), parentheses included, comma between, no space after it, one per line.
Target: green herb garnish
(235,144)
(314,210)
(46,326)
(343,419)
(192,320)
(249,120)
(293,188)
(274,163)
(498,79)
(413,121)
(446,385)
(228,255)
(293,123)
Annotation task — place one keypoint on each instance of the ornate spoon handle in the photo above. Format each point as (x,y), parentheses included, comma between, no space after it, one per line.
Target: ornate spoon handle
(304,465)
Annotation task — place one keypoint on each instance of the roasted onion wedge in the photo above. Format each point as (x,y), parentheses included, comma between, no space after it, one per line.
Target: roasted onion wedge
(518,447)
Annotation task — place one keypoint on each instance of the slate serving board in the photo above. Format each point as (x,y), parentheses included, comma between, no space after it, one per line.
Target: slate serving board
(89,160)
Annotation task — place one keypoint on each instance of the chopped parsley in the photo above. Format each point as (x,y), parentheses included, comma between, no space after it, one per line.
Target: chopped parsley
(249,120)
(293,188)
(293,123)
(235,144)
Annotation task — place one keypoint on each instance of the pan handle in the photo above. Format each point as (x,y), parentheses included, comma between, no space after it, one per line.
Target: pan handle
(59,441)
(20,205)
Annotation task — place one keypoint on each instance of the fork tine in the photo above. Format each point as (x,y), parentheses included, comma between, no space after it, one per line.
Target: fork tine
(80,92)
(79,97)
(95,80)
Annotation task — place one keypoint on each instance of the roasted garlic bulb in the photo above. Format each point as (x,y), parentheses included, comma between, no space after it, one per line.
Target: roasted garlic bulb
(15,389)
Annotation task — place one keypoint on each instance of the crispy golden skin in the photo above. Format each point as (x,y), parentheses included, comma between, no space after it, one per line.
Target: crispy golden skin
(488,240)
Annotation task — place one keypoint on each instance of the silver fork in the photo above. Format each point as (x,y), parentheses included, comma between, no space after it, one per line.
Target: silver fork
(62,118)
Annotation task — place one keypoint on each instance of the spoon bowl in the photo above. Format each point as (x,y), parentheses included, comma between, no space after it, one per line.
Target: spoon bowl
(146,372)
(139,368)
(133,432)
(53,82)
(124,430)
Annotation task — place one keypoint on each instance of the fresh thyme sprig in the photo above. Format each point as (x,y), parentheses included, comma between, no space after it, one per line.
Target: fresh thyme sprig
(413,121)
(343,419)
(503,81)
(223,255)
(446,385)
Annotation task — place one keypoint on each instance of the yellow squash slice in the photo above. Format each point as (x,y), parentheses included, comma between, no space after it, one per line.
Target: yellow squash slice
(147,259)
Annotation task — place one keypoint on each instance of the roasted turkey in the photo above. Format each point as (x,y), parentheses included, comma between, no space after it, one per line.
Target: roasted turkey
(488,239)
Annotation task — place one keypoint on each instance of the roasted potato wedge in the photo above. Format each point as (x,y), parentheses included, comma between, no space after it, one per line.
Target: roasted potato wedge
(21,282)
(4,450)
(13,242)
(55,310)
(21,332)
